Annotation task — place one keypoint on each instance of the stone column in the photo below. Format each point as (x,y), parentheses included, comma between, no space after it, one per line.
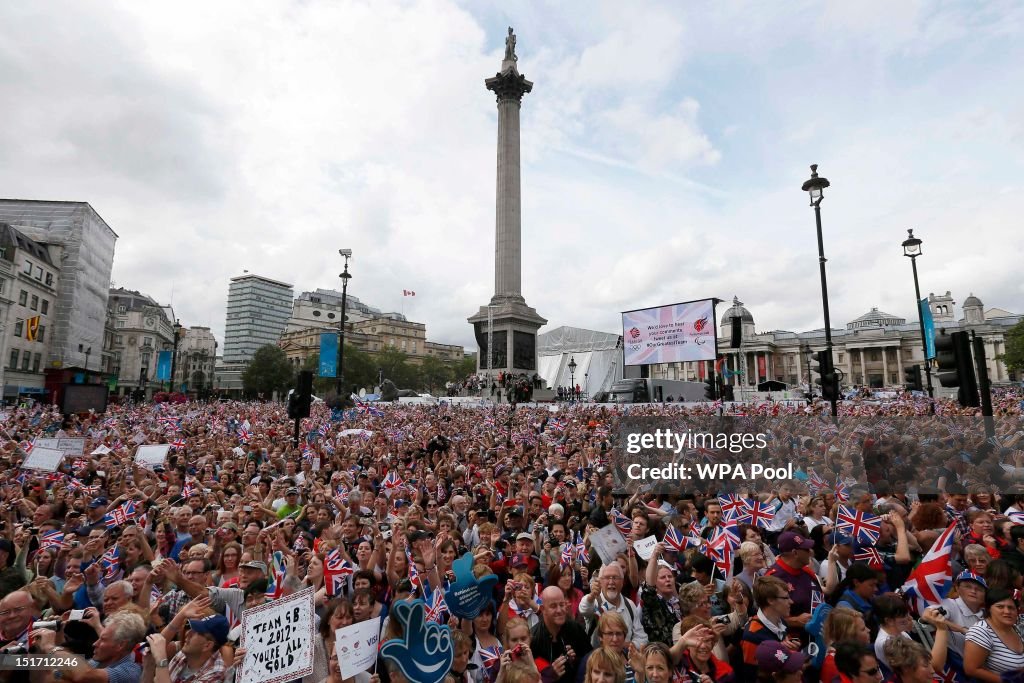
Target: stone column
(885,366)
(899,365)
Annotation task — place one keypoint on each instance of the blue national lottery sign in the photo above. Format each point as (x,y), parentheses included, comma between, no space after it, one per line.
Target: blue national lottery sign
(468,595)
(328,355)
(425,652)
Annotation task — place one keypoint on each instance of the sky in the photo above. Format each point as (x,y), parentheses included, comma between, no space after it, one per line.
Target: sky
(663,149)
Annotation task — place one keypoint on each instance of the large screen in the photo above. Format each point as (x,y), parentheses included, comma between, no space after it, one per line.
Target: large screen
(669,334)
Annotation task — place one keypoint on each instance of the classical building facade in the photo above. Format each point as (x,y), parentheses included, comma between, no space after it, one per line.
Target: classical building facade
(28,289)
(322,308)
(197,353)
(138,328)
(873,350)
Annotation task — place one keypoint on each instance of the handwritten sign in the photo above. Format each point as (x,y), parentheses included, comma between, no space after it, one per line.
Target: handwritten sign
(72,445)
(356,646)
(278,637)
(151,455)
(645,546)
(608,543)
(43,459)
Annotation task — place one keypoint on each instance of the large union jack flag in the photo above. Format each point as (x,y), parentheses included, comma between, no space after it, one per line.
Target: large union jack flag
(120,515)
(623,523)
(870,556)
(758,514)
(862,526)
(931,579)
(392,480)
(733,505)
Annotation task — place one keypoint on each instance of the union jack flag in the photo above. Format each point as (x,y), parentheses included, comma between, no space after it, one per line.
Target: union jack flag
(414,574)
(565,559)
(733,505)
(79,463)
(675,539)
(244,435)
(278,571)
(170,421)
(758,514)
(870,556)
(110,562)
(489,421)
(178,444)
(442,493)
(392,480)
(120,515)
(1016,517)
(842,492)
(601,431)
(815,482)
(581,550)
(27,446)
(930,581)
(51,539)
(729,531)
(623,523)
(188,489)
(720,551)
(862,526)
(324,430)
(556,424)
(437,608)
(490,656)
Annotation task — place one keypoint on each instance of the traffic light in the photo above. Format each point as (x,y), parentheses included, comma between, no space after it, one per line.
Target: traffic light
(912,376)
(709,389)
(956,367)
(828,379)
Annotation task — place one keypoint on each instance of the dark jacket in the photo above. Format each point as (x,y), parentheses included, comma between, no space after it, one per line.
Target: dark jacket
(549,649)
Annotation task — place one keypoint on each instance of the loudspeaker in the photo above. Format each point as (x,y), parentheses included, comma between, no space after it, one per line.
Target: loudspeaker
(737,333)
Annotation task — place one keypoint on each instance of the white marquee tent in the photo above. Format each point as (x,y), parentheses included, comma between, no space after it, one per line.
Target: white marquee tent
(598,358)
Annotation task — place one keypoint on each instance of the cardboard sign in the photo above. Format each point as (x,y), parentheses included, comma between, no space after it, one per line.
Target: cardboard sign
(151,455)
(356,646)
(278,638)
(47,443)
(645,546)
(608,543)
(102,449)
(467,595)
(356,432)
(72,445)
(43,459)
(425,652)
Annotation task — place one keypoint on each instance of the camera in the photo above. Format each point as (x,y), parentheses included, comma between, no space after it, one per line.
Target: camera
(516,652)
(76,615)
(723,619)
(941,610)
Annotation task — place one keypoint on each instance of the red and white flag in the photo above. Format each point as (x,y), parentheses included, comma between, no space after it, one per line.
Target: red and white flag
(408,292)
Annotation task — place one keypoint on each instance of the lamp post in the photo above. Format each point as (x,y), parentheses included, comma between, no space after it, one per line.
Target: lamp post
(586,384)
(572,376)
(815,187)
(174,352)
(87,352)
(912,249)
(805,353)
(345,277)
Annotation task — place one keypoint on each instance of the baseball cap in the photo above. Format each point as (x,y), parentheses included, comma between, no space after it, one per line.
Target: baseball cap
(838,538)
(292,492)
(791,541)
(520,560)
(773,657)
(98,502)
(216,626)
(419,535)
(524,536)
(254,564)
(514,511)
(968,575)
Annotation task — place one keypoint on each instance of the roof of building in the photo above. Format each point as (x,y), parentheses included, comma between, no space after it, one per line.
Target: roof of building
(878,318)
(737,309)
(133,300)
(11,235)
(973,301)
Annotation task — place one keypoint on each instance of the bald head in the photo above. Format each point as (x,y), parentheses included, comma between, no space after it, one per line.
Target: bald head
(553,608)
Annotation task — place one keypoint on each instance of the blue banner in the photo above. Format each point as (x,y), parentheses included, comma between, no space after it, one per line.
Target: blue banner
(163,366)
(328,354)
(929,328)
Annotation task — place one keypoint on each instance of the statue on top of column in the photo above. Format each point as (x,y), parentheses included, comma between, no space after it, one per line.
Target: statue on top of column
(510,46)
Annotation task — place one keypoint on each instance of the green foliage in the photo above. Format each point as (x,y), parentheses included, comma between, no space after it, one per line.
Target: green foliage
(433,373)
(360,371)
(268,371)
(465,367)
(1014,356)
(397,368)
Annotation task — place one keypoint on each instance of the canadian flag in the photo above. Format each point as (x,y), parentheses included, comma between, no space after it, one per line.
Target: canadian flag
(408,292)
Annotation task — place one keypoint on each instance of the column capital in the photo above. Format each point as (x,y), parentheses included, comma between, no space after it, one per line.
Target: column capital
(509,85)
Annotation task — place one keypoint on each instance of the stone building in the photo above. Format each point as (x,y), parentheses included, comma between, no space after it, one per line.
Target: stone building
(873,350)
(139,328)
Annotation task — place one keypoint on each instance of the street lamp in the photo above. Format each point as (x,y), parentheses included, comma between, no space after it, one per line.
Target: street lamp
(174,353)
(572,376)
(586,384)
(912,249)
(345,277)
(815,187)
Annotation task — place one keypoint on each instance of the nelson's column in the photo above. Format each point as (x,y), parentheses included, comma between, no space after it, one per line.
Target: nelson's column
(509,324)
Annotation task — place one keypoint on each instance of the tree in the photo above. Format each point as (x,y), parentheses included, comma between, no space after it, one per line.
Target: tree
(465,367)
(434,373)
(360,371)
(1014,341)
(396,367)
(268,371)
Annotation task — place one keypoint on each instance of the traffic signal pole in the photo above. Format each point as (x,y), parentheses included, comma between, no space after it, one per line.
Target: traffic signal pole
(983,384)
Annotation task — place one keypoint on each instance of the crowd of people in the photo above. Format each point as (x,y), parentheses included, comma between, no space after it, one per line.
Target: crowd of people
(895,551)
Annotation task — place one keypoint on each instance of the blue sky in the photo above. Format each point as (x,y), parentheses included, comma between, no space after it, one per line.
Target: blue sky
(664,146)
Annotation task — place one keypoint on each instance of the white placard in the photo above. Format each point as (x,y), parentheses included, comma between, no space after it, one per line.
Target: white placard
(608,543)
(102,449)
(645,546)
(47,443)
(151,455)
(356,646)
(72,445)
(278,638)
(356,432)
(43,459)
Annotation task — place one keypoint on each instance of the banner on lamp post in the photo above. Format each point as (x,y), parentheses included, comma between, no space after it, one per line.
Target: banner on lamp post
(163,366)
(328,354)
(929,328)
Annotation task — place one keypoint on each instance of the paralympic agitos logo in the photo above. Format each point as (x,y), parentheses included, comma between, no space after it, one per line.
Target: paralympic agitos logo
(698,325)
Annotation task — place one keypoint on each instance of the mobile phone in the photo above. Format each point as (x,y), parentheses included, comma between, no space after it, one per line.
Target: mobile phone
(76,615)
(247,508)
(724,619)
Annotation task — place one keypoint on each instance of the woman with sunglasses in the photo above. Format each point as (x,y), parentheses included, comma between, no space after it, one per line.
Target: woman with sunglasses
(994,645)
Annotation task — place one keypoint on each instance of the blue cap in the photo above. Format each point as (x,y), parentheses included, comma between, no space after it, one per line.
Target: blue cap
(839,538)
(968,575)
(98,502)
(216,626)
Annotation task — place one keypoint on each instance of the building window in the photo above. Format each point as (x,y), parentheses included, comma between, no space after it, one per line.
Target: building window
(840,358)
(147,341)
(18,325)
(49,279)
(36,360)
(35,303)
(331,316)
(39,273)
(120,324)
(28,267)
(44,307)
(26,360)
(23,298)
(122,309)
(316,314)
(41,336)
(117,339)
(14,359)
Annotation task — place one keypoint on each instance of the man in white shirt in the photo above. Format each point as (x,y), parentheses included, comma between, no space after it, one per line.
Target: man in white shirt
(606,595)
(965,610)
